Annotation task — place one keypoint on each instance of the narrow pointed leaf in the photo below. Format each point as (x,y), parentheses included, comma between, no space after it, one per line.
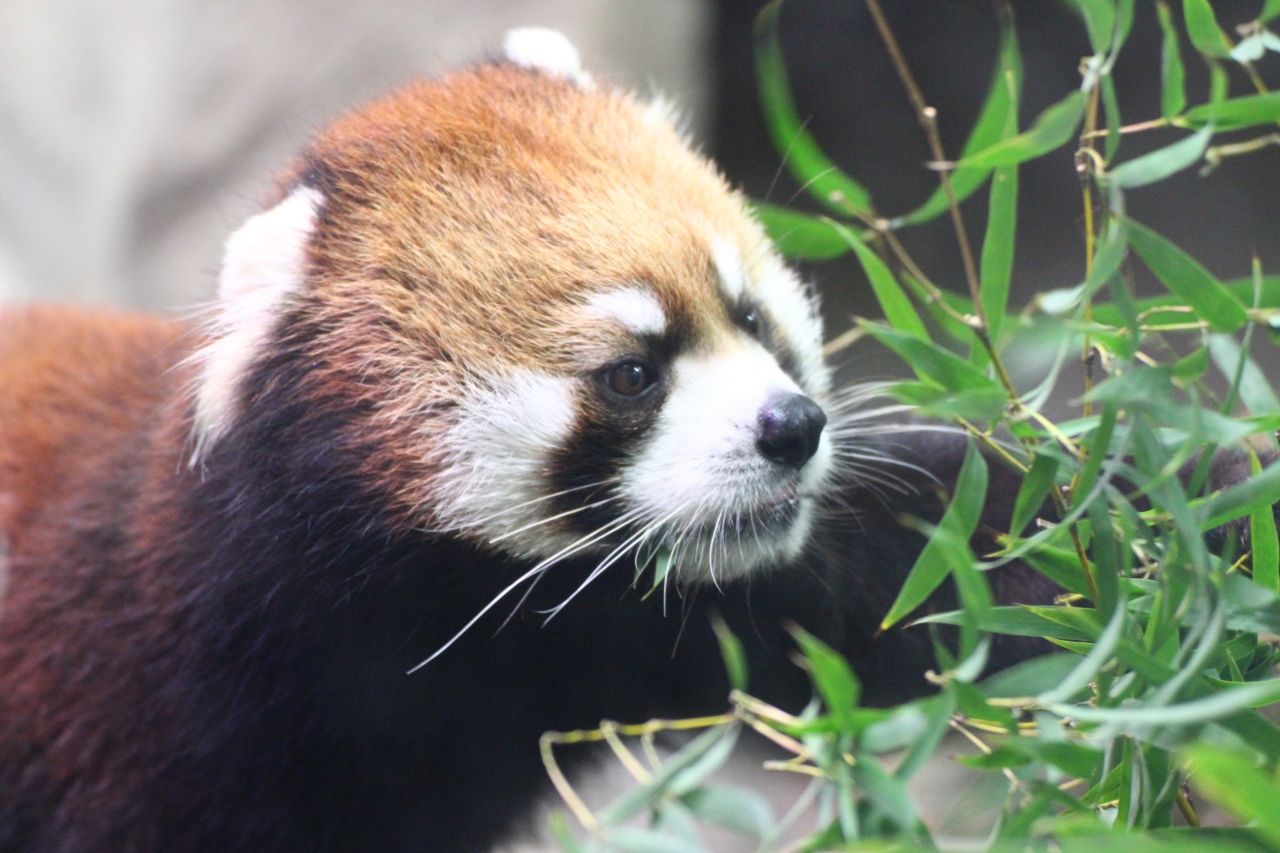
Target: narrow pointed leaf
(1032,493)
(1184,276)
(1235,783)
(1163,162)
(1100,20)
(832,676)
(1173,76)
(940,555)
(1052,129)
(803,156)
(800,235)
(1270,11)
(1237,113)
(1258,492)
(1002,99)
(1263,540)
(1203,30)
(998,241)
(930,361)
(897,308)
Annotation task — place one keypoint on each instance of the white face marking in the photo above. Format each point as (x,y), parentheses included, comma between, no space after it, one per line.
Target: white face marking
(793,313)
(264,262)
(728,261)
(700,468)
(635,308)
(495,459)
(548,51)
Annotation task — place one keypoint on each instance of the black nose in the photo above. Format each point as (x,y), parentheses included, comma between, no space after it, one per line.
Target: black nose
(789,428)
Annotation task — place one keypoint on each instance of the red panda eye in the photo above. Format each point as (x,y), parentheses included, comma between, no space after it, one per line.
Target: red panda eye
(630,378)
(751,322)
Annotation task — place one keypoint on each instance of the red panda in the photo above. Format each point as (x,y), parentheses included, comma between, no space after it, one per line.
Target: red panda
(489,325)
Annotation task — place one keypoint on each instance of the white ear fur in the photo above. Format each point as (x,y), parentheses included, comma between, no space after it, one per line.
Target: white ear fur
(548,51)
(264,262)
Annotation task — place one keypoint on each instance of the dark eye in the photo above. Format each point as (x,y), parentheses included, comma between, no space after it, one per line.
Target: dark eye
(630,378)
(751,322)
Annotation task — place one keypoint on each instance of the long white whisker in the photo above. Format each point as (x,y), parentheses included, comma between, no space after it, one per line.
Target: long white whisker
(578,545)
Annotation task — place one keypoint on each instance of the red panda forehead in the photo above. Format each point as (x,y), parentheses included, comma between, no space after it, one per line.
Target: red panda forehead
(508,197)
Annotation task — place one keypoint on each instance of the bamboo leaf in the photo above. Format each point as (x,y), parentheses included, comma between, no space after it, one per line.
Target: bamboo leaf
(799,235)
(832,676)
(1263,539)
(1203,30)
(1258,492)
(1235,782)
(949,544)
(1032,493)
(930,361)
(1173,77)
(1269,11)
(804,158)
(1187,278)
(1237,113)
(998,241)
(1052,129)
(1163,162)
(897,308)
(1002,100)
(1100,20)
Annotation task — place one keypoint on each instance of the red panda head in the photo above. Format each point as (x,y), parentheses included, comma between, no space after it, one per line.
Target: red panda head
(564,332)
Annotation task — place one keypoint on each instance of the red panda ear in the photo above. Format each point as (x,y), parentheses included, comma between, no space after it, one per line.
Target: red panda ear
(548,51)
(264,263)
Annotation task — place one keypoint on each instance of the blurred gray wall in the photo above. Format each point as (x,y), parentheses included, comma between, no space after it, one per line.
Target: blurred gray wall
(136,134)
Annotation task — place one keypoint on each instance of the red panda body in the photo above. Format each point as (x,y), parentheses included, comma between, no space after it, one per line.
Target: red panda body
(499,330)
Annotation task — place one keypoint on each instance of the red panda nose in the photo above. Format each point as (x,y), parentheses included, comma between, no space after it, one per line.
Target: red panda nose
(788,429)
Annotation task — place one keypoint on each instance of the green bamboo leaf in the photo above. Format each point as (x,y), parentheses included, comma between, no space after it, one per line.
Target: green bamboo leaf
(1052,129)
(1255,391)
(1269,11)
(1031,494)
(1020,622)
(949,544)
(1237,113)
(1207,709)
(974,705)
(740,810)
(1002,99)
(632,839)
(1031,677)
(1111,107)
(1060,566)
(972,404)
(735,659)
(802,154)
(1256,493)
(897,308)
(930,361)
(998,241)
(1184,276)
(1173,77)
(1100,20)
(1163,162)
(1263,539)
(832,676)
(1202,28)
(711,744)
(800,235)
(1235,783)
(937,711)
(1106,263)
